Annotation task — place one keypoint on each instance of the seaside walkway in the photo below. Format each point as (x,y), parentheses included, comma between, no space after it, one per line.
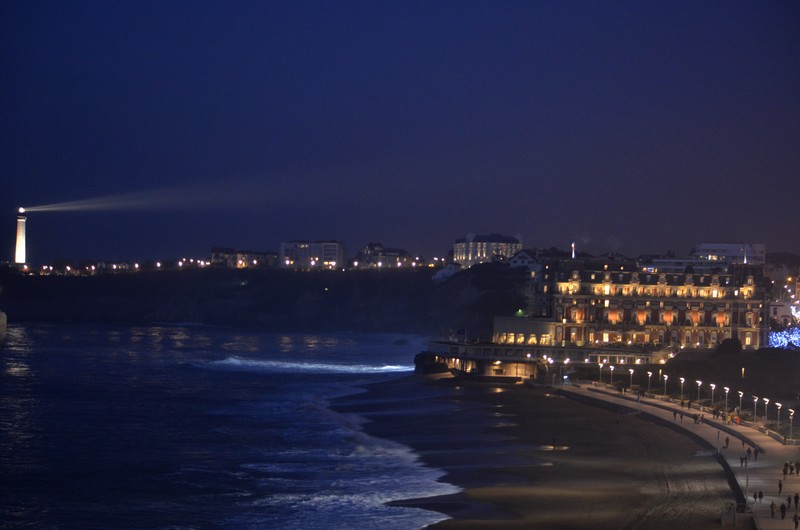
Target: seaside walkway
(757,474)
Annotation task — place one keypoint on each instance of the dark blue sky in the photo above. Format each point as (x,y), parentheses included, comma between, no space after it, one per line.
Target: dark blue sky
(629,126)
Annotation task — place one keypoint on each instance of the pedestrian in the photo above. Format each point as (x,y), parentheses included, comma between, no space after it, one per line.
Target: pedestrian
(780,486)
(727,441)
(783,511)
(760,496)
(749,452)
(796,520)
(674,415)
(755,496)
(772,509)
(789,502)
(796,500)
(755,454)
(797,467)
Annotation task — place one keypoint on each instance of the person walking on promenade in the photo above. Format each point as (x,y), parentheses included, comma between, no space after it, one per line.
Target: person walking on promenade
(796,500)
(760,496)
(780,486)
(674,415)
(796,520)
(772,509)
(749,452)
(783,511)
(755,453)
(797,468)
(727,441)
(741,461)
(755,497)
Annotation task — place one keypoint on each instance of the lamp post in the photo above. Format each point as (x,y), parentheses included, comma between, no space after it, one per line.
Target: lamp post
(665,383)
(630,370)
(791,423)
(755,414)
(611,376)
(649,375)
(600,376)
(741,394)
(683,380)
(713,386)
(779,414)
(727,389)
(766,402)
(699,384)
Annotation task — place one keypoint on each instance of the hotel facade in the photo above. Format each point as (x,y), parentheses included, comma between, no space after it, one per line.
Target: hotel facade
(612,312)
(647,305)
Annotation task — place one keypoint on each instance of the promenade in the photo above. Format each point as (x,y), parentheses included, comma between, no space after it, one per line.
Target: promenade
(761,474)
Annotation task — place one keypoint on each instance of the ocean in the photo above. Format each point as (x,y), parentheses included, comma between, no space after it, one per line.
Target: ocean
(200,427)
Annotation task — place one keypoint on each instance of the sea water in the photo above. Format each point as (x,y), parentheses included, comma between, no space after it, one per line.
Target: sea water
(200,427)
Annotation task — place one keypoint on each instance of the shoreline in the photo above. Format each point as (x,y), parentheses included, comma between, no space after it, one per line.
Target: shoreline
(609,468)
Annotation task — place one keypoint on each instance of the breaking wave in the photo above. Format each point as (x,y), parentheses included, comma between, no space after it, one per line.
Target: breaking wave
(238,363)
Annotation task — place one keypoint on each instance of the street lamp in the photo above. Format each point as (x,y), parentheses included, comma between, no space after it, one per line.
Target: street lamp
(740,400)
(600,376)
(665,383)
(649,375)
(766,402)
(713,386)
(630,370)
(779,414)
(611,376)
(727,389)
(699,384)
(791,417)
(755,415)
(683,380)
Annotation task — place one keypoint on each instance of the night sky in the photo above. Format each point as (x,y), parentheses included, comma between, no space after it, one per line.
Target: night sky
(626,126)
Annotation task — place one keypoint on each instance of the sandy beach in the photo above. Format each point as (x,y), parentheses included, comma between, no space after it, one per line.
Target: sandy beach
(528,458)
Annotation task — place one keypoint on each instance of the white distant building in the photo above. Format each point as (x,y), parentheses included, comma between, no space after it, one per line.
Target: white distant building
(734,253)
(527,259)
(475,249)
(312,254)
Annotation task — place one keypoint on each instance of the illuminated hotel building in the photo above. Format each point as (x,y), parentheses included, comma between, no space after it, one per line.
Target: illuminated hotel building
(312,254)
(19,254)
(596,304)
(475,249)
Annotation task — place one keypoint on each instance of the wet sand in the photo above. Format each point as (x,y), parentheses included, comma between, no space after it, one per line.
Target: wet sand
(527,458)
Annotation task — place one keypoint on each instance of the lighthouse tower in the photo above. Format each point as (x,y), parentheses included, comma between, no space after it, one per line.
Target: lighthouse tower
(19,255)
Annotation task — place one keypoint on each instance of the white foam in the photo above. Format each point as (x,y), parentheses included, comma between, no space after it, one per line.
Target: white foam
(238,363)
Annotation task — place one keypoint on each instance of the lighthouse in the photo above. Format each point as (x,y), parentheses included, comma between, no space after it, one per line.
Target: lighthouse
(19,255)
